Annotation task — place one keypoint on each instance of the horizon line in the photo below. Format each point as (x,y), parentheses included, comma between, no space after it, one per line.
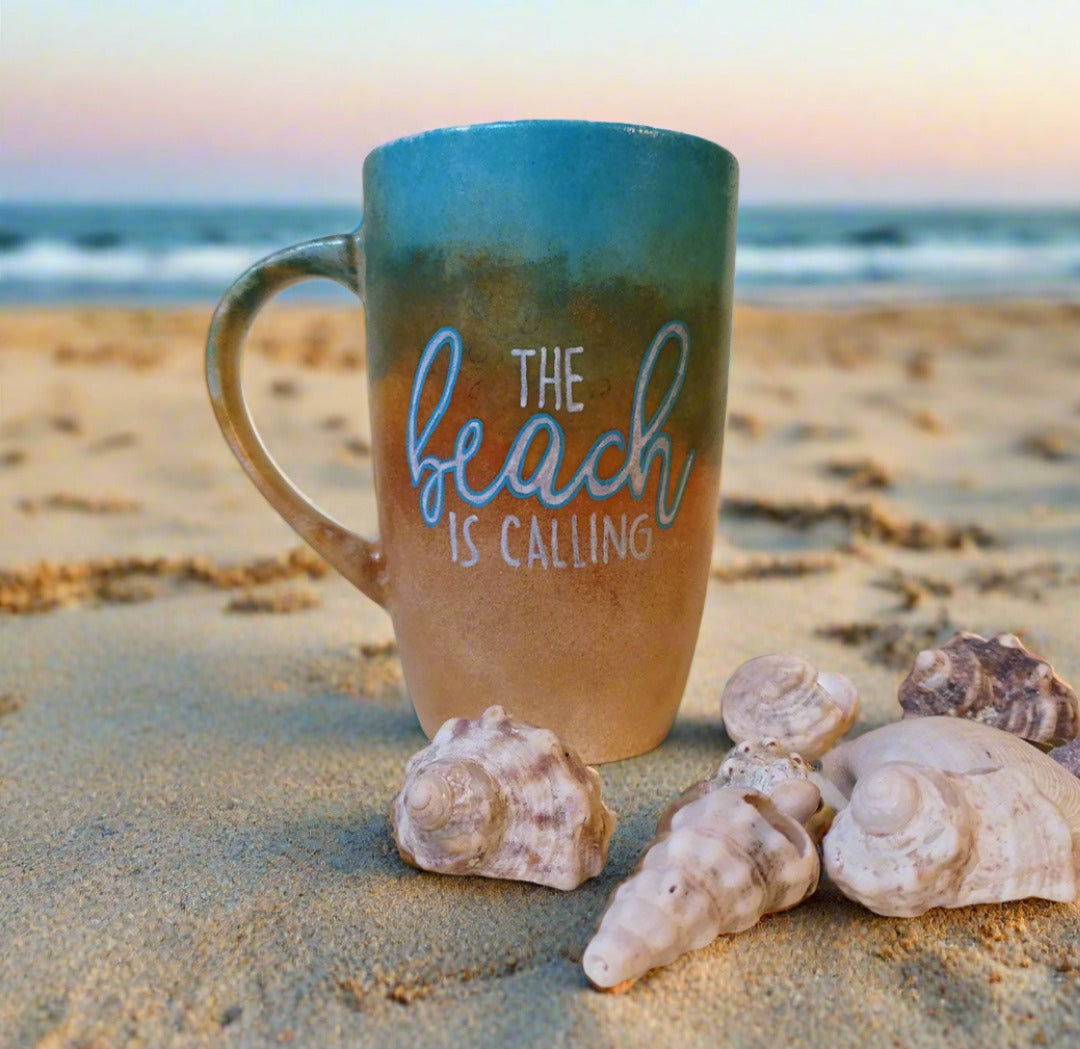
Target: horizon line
(799,204)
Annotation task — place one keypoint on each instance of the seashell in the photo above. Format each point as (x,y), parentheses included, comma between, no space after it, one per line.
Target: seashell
(915,837)
(786,698)
(501,798)
(726,859)
(764,766)
(1068,756)
(997,682)
(953,745)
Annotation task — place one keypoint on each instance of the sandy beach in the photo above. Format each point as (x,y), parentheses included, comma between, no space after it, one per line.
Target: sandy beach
(202,727)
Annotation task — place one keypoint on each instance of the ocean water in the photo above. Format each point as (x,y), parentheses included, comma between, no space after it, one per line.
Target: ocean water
(139,254)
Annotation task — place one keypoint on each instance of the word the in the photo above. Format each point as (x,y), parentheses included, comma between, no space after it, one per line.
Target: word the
(545,380)
(644,444)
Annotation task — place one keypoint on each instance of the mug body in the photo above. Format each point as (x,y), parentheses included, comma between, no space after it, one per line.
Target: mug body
(548,324)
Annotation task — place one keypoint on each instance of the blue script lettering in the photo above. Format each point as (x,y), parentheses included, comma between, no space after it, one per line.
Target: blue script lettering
(645,443)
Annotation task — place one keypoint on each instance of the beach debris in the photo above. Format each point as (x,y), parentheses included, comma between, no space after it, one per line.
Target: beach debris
(920,366)
(65,423)
(1029,581)
(282,601)
(917,837)
(912,588)
(860,473)
(1051,445)
(953,745)
(500,798)
(863,520)
(360,446)
(771,566)
(9,703)
(42,586)
(718,864)
(287,388)
(997,682)
(82,504)
(891,642)
(926,420)
(745,422)
(113,442)
(782,696)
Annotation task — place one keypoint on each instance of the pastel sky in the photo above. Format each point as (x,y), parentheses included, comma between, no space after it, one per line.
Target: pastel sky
(250,100)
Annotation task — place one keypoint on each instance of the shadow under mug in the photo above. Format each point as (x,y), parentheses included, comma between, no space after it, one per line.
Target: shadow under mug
(548,308)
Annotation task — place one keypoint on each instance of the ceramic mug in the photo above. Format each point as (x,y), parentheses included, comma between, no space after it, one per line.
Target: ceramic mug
(548,309)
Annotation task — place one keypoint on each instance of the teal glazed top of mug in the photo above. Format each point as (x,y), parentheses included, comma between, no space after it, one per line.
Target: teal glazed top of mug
(604,201)
(548,323)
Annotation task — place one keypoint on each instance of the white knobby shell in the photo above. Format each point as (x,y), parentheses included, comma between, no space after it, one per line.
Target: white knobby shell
(502,799)
(726,859)
(915,837)
(783,697)
(764,766)
(953,745)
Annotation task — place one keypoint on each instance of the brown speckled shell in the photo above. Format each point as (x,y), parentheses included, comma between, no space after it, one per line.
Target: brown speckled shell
(502,798)
(997,682)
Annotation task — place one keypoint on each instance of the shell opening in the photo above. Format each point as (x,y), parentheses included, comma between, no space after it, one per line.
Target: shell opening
(885,801)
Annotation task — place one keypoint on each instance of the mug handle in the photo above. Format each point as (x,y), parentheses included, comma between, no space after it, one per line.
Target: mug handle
(339,258)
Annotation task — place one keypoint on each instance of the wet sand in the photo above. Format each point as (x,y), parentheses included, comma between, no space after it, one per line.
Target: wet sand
(201,729)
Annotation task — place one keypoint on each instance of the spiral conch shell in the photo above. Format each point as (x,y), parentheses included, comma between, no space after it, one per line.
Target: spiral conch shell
(953,745)
(502,799)
(997,682)
(916,837)
(720,861)
(784,697)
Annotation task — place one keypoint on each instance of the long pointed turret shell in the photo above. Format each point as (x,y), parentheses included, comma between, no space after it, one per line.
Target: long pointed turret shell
(502,799)
(725,859)
(915,837)
(784,697)
(953,745)
(997,682)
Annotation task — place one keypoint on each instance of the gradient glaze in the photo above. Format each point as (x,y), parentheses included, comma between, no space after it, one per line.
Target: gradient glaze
(530,235)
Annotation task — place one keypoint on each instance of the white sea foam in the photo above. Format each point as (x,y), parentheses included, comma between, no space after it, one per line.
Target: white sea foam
(928,261)
(43,261)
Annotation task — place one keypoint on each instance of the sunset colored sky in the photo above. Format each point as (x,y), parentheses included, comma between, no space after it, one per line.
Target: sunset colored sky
(212,100)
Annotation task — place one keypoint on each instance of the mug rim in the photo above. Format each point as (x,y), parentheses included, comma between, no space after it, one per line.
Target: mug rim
(645,130)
